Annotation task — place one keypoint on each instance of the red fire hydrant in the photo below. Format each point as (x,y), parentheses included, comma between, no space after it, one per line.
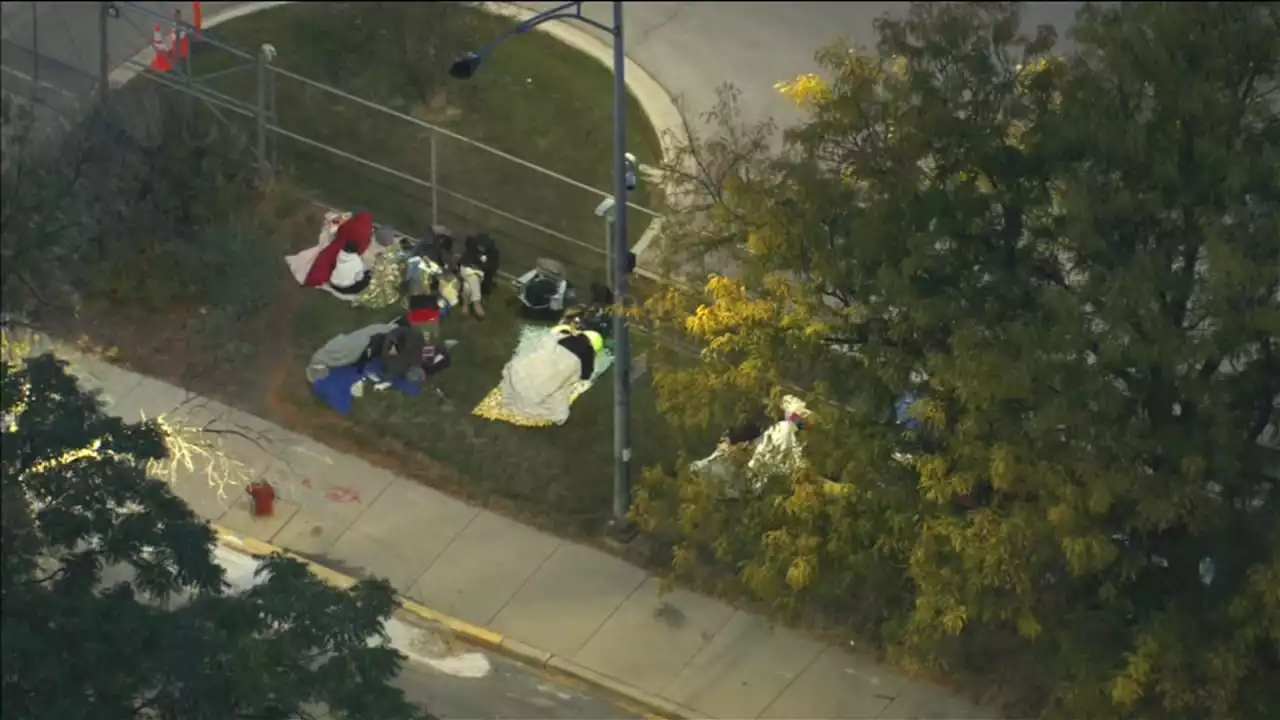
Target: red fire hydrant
(262,498)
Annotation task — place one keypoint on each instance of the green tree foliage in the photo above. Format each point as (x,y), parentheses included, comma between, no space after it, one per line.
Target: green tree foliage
(97,207)
(1073,260)
(150,206)
(171,641)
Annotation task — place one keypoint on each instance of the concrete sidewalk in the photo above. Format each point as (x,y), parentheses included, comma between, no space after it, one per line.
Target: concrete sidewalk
(559,596)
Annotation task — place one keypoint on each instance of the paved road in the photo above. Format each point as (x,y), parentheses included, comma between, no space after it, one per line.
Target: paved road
(448,677)
(691,48)
(456,680)
(56,46)
(510,691)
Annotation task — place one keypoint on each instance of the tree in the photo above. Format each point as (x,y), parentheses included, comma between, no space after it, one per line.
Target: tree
(78,501)
(1071,259)
(137,182)
(143,225)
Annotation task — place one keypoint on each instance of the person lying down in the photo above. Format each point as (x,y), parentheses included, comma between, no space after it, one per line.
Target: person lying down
(403,348)
(541,382)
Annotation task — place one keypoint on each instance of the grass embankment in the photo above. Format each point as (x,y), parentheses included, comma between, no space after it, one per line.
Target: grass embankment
(534,98)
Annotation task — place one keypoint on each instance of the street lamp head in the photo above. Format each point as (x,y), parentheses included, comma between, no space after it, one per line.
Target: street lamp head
(631,170)
(464,67)
(605,209)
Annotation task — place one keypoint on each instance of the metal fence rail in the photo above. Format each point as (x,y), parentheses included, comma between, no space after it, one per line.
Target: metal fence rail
(440,179)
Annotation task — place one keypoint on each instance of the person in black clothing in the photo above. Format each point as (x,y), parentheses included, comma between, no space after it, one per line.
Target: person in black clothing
(477,270)
(399,351)
(480,252)
(582,347)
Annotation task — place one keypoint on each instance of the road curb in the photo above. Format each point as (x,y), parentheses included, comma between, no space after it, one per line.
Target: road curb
(515,649)
(133,67)
(655,102)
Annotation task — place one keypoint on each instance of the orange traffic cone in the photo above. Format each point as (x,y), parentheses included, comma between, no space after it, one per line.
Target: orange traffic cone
(160,53)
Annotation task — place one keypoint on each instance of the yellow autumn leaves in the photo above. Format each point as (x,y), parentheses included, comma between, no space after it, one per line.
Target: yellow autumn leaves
(731,308)
(805,90)
(808,89)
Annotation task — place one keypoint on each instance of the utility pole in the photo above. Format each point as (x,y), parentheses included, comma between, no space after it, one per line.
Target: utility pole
(104,53)
(621,341)
(35,50)
(619,259)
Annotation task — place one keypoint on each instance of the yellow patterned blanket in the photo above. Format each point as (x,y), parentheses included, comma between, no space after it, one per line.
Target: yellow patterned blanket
(495,407)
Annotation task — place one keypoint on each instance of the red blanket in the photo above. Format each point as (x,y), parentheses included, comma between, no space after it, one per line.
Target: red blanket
(357,229)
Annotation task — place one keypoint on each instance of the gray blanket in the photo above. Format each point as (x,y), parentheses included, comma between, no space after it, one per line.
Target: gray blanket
(345,349)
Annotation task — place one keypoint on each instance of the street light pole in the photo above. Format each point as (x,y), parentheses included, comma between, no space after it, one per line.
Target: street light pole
(621,340)
(35,51)
(104,53)
(618,260)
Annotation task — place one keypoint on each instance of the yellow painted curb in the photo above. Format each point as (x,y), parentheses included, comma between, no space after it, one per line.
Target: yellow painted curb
(652,707)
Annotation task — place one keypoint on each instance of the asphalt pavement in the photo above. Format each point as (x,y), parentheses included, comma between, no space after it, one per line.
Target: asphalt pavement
(575,608)
(691,48)
(57,46)
(454,679)
(508,691)
(451,678)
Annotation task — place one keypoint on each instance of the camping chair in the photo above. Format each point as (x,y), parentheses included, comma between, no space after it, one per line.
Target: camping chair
(544,291)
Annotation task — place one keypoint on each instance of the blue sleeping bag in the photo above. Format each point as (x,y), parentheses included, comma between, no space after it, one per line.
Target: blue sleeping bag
(335,388)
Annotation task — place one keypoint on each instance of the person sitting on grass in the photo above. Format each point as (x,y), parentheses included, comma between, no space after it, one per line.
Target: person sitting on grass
(350,276)
(477,270)
(424,313)
(429,354)
(357,229)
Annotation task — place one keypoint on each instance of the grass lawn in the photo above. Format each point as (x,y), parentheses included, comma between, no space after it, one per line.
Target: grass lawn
(556,477)
(534,98)
(559,476)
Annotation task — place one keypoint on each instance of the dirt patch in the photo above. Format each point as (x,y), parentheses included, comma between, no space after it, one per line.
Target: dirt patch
(177,347)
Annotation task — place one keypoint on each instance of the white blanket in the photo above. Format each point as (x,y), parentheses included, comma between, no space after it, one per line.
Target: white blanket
(540,381)
(777,451)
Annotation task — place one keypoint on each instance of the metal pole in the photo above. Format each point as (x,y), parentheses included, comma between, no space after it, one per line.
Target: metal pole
(273,112)
(435,192)
(104,54)
(621,344)
(175,52)
(35,50)
(186,59)
(264,167)
(608,249)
